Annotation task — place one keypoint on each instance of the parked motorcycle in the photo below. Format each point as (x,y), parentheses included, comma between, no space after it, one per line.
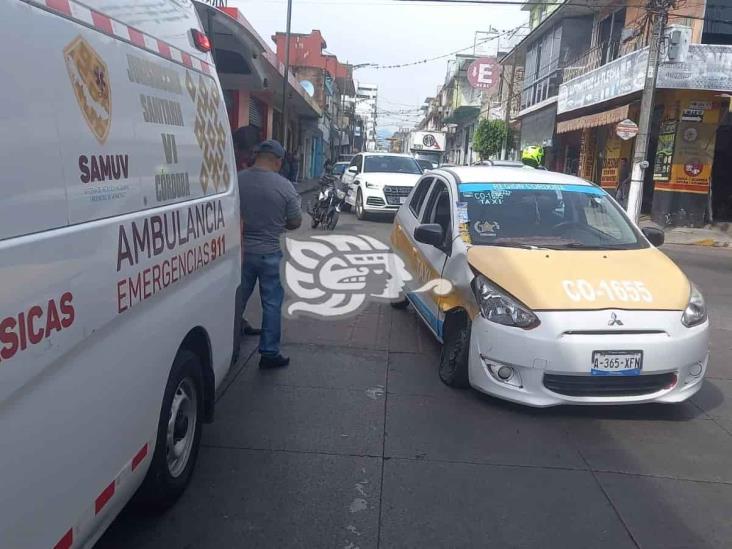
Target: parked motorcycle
(324,210)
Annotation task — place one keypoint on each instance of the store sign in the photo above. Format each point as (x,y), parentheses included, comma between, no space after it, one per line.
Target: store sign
(627,129)
(611,163)
(707,67)
(665,151)
(483,73)
(618,78)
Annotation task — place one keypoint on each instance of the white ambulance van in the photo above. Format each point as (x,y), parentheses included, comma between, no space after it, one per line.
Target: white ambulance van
(119,260)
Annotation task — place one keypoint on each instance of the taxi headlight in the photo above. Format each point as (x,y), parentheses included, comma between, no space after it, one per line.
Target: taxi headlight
(371,185)
(696,311)
(501,308)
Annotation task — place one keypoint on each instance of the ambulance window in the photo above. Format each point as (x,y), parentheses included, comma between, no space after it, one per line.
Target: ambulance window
(420,193)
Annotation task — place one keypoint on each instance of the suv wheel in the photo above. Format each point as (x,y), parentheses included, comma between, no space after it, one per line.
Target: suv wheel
(360,211)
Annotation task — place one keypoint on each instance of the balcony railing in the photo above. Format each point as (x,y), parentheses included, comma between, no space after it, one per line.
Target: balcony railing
(546,84)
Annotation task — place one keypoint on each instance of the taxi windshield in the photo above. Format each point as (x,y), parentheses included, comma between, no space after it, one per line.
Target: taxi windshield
(545,216)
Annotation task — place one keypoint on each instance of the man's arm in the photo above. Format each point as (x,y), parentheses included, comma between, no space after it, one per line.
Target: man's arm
(293,213)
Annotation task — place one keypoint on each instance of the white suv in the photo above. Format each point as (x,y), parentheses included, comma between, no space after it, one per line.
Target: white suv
(379,182)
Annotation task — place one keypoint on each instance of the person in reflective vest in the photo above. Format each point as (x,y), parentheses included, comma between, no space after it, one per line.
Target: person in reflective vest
(533,156)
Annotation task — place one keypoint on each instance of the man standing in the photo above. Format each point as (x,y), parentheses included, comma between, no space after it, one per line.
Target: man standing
(269,206)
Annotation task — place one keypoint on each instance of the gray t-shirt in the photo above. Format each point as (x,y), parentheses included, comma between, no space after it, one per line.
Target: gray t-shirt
(268,203)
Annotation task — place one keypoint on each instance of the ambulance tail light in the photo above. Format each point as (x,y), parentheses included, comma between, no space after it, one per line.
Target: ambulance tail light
(201,41)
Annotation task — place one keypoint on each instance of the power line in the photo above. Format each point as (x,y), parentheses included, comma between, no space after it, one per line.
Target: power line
(512,32)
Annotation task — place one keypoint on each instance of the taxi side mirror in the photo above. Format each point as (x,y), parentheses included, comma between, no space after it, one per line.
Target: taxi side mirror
(352,170)
(430,233)
(655,236)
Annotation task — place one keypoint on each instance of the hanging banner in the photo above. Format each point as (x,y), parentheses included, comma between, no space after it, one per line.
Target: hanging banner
(611,163)
(691,171)
(665,151)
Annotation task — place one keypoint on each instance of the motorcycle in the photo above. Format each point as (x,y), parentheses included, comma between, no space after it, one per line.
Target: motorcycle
(325,209)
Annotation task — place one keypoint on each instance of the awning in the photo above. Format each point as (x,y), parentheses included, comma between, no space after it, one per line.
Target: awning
(606,118)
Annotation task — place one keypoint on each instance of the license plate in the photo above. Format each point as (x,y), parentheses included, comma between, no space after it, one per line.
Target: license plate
(402,199)
(616,363)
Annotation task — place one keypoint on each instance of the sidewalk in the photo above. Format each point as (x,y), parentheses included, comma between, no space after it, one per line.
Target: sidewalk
(306,185)
(718,236)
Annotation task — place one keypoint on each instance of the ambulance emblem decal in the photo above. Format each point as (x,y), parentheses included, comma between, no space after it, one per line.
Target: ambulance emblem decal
(210,134)
(89,77)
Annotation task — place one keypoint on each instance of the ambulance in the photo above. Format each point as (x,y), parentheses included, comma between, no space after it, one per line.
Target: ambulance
(548,293)
(119,261)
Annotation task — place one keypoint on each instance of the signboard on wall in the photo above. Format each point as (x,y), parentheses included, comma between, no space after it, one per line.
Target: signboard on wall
(707,67)
(620,77)
(484,73)
(665,151)
(611,163)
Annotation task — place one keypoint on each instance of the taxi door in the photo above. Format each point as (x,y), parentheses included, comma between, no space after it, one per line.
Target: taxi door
(429,261)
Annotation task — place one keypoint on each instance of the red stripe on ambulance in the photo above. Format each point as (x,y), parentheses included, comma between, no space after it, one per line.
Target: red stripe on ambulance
(102,22)
(104,497)
(65,542)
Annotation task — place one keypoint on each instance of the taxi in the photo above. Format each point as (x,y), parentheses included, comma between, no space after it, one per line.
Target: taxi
(543,292)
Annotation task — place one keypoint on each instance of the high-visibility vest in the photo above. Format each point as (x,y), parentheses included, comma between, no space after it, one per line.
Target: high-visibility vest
(533,155)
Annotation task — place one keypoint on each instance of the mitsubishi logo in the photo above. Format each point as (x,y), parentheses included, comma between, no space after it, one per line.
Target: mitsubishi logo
(614,320)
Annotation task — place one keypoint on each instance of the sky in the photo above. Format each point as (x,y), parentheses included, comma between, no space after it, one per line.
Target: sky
(388,32)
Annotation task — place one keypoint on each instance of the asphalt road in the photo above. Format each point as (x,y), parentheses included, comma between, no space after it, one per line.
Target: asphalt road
(358,444)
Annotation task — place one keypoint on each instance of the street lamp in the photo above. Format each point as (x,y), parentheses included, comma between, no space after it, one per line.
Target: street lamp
(286,80)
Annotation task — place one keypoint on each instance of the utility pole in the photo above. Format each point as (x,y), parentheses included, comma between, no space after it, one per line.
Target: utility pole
(507,114)
(286,80)
(659,9)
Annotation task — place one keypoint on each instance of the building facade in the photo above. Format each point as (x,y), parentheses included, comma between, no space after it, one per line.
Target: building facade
(366,107)
(331,86)
(252,79)
(583,73)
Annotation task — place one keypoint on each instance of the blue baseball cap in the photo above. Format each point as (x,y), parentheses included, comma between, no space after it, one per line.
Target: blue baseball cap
(270,146)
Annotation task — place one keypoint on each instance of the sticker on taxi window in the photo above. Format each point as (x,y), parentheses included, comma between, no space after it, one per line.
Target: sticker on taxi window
(492,188)
(462,212)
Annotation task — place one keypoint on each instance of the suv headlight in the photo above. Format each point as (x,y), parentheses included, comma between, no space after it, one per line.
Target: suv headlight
(696,311)
(501,308)
(371,185)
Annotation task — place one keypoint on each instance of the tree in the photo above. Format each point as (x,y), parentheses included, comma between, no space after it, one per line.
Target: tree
(488,138)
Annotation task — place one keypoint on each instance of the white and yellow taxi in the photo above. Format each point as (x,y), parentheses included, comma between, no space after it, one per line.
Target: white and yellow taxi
(549,294)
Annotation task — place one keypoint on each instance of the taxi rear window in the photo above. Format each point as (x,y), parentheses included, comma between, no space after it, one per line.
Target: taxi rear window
(544,215)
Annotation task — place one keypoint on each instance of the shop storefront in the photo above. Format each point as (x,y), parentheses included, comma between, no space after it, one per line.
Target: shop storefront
(690,134)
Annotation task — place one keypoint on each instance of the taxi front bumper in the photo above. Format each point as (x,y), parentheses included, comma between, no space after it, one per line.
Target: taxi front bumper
(550,365)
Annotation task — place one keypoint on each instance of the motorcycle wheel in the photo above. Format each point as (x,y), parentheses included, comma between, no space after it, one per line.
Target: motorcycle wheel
(332,220)
(314,221)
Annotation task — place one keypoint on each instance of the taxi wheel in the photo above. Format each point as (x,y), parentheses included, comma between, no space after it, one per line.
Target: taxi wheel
(178,436)
(455,349)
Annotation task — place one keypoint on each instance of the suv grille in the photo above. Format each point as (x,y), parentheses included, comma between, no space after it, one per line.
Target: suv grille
(608,386)
(393,194)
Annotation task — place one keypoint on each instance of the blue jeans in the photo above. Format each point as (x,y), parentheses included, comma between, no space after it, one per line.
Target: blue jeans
(266,269)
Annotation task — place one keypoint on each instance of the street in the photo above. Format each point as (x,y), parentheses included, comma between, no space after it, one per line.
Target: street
(357,444)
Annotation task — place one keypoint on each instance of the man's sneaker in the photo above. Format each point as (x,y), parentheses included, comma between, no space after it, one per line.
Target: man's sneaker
(274,361)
